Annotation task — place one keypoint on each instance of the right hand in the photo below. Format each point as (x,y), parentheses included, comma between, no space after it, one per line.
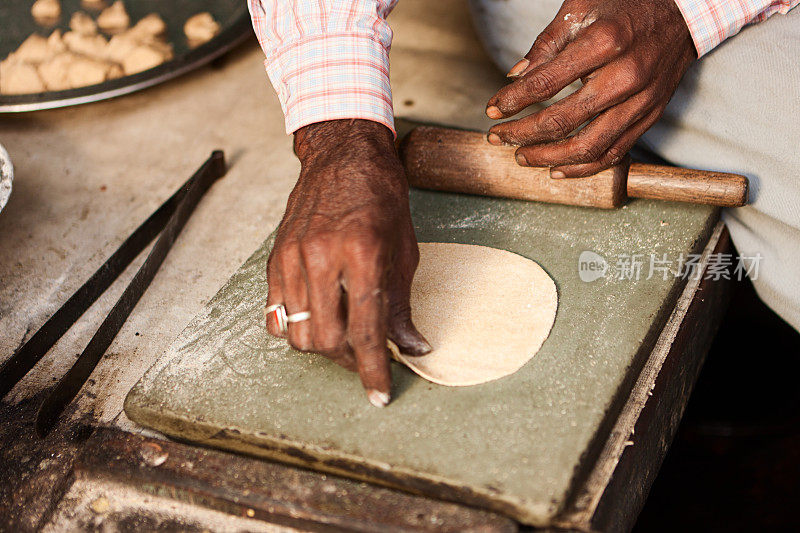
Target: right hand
(346,251)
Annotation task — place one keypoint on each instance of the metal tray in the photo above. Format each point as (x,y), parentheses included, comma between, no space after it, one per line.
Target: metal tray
(17,24)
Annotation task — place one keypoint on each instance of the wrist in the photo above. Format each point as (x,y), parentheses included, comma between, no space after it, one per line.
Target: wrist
(343,137)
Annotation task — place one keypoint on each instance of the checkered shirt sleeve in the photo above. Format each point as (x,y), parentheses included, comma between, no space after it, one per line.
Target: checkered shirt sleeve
(712,21)
(327,59)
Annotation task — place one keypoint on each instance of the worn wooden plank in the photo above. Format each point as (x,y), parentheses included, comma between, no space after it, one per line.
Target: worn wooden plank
(615,491)
(268,491)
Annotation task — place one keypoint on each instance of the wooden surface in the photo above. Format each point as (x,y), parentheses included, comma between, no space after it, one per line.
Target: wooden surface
(271,492)
(446,159)
(614,492)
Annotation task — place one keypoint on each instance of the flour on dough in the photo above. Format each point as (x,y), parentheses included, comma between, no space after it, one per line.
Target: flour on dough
(485,311)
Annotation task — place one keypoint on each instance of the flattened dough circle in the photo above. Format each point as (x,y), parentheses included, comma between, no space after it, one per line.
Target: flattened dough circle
(485,311)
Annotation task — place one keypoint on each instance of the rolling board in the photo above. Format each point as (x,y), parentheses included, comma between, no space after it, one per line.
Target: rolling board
(519,445)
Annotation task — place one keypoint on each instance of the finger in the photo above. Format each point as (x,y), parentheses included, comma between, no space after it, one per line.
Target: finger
(596,46)
(615,153)
(344,358)
(589,144)
(366,317)
(401,329)
(550,42)
(274,294)
(325,297)
(558,120)
(295,294)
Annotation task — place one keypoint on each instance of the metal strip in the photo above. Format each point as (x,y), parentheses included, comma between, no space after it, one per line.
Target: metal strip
(69,385)
(15,368)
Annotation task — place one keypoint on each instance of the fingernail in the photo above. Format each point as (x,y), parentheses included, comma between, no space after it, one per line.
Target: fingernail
(494,139)
(557,175)
(521,161)
(517,69)
(493,112)
(378,398)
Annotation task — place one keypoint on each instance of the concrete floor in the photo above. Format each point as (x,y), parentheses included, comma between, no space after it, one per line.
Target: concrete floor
(86,177)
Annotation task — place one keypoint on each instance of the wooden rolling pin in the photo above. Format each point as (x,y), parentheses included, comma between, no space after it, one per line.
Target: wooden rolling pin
(446,159)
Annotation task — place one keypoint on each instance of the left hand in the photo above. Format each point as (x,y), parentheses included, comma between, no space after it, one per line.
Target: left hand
(630,55)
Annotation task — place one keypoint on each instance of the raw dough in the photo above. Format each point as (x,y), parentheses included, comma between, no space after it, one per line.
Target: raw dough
(55,72)
(19,78)
(82,24)
(485,311)
(150,26)
(93,46)
(86,71)
(46,11)
(143,57)
(200,28)
(34,49)
(114,18)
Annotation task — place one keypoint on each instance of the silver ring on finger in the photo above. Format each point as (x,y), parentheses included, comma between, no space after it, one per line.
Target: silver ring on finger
(298,317)
(277,315)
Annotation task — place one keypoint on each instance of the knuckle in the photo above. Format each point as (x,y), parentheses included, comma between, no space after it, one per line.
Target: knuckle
(586,152)
(370,366)
(545,43)
(611,38)
(556,124)
(615,154)
(365,247)
(316,251)
(329,340)
(542,84)
(285,258)
(365,339)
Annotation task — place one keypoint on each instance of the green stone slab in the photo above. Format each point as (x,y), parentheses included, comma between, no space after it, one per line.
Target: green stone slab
(519,445)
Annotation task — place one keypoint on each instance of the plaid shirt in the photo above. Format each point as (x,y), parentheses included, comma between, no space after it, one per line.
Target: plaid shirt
(329,59)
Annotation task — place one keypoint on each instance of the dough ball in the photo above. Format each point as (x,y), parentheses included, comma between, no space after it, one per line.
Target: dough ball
(34,49)
(86,71)
(114,72)
(142,58)
(93,46)
(82,24)
(114,18)
(120,46)
(46,11)
(150,26)
(200,28)
(19,78)
(56,43)
(55,72)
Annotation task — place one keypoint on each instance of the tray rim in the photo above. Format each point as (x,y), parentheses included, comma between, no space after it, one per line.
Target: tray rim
(231,37)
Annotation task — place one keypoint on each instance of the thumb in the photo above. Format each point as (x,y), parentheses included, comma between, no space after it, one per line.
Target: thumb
(401,329)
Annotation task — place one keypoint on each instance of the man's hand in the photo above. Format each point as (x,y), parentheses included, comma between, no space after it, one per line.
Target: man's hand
(346,251)
(630,55)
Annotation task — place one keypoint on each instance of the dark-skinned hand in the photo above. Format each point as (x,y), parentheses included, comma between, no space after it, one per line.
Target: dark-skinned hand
(630,55)
(346,251)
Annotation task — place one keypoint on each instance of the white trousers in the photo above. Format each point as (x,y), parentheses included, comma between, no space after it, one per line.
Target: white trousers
(737,110)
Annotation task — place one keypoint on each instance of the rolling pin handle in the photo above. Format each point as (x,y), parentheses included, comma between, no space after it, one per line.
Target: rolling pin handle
(656,182)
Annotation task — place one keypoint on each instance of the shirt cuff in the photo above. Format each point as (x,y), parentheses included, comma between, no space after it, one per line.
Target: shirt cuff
(332,76)
(712,21)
